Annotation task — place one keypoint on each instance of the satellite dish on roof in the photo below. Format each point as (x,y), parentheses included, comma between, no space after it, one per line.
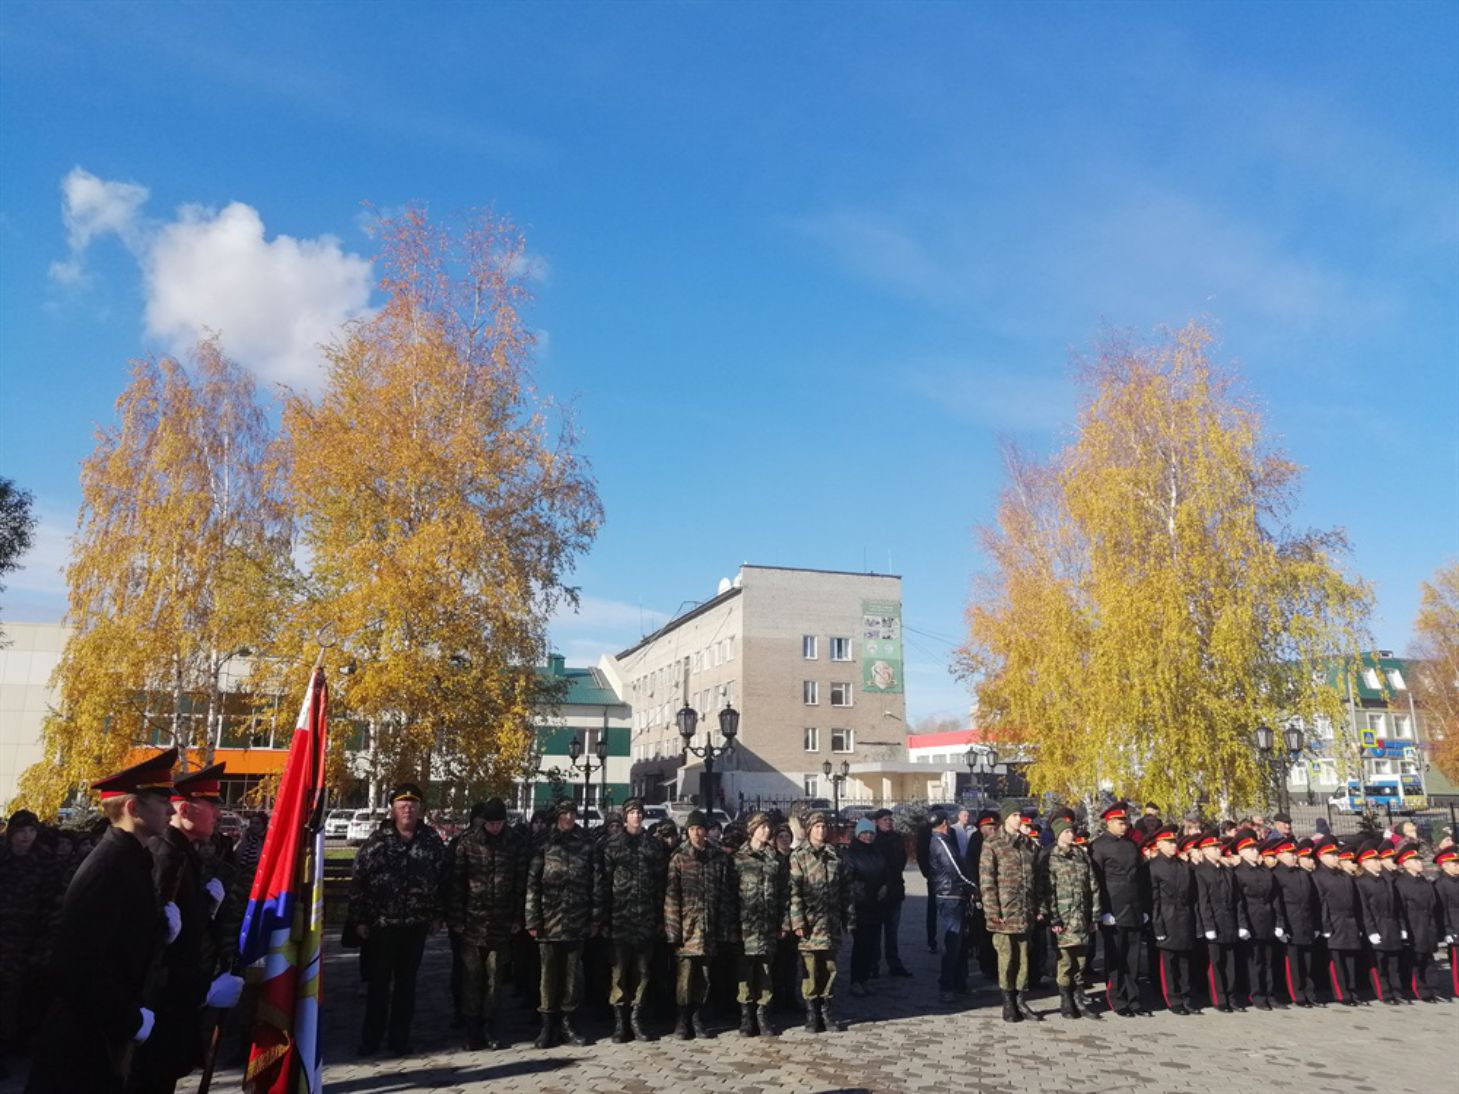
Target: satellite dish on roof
(724,586)
(739,580)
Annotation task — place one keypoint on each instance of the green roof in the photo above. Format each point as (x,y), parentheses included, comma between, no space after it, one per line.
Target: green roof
(585,686)
(1383,663)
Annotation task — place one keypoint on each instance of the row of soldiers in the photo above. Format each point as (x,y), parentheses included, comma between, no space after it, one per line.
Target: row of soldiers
(564,888)
(1247,915)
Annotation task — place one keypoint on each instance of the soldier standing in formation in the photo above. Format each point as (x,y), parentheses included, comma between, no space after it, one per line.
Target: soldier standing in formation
(762,883)
(700,918)
(1068,905)
(484,911)
(1419,900)
(1220,917)
(821,912)
(1382,918)
(1116,862)
(559,915)
(630,908)
(1447,887)
(1173,909)
(1006,882)
(1300,903)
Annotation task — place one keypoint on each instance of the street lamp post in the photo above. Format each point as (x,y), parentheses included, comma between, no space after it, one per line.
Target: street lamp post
(575,752)
(836,781)
(729,726)
(982,763)
(1266,747)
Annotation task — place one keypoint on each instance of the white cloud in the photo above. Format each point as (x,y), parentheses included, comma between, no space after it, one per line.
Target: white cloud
(595,614)
(273,302)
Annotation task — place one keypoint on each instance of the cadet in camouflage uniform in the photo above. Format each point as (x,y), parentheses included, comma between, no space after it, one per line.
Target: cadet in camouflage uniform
(821,911)
(488,880)
(628,910)
(30,892)
(394,900)
(560,918)
(1066,888)
(762,881)
(700,917)
(1006,880)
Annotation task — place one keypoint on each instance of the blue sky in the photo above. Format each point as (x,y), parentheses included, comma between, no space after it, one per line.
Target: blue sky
(799,267)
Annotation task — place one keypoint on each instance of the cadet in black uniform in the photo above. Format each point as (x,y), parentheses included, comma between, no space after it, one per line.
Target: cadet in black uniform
(1301,910)
(1339,919)
(1446,886)
(1383,922)
(1116,862)
(1262,900)
(111,927)
(1421,915)
(1173,919)
(1219,917)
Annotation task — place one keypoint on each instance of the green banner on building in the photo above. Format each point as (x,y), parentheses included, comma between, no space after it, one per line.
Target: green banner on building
(881,646)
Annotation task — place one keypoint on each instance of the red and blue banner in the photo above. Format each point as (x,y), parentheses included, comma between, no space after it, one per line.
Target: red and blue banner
(284,921)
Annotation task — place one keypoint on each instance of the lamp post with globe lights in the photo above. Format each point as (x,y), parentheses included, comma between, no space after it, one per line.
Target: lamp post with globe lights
(688,723)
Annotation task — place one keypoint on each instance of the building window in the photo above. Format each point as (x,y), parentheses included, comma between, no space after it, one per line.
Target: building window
(1378,723)
(729,649)
(1395,680)
(1370,677)
(812,739)
(1381,767)
(808,644)
(810,785)
(840,649)
(843,740)
(840,695)
(1298,776)
(810,692)
(714,649)
(1322,727)
(1325,773)
(1402,727)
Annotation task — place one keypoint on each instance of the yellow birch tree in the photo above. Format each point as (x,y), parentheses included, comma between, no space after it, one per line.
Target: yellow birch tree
(1149,602)
(440,503)
(180,544)
(1435,650)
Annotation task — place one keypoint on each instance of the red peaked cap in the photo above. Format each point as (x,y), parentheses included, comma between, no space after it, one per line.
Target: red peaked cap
(153,773)
(205,783)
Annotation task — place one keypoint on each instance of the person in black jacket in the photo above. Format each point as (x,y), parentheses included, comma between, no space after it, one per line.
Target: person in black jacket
(979,942)
(1173,919)
(1446,886)
(1300,905)
(1422,917)
(1219,917)
(1383,922)
(1340,918)
(1117,881)
(924,864)
(868,893)
(893,850)
(1262,903)
(112,926)
(949,889)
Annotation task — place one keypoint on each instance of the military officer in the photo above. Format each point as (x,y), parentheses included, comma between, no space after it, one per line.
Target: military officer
(629,912)
(1301,909)
(1261,901)
(1447,887)
(1421,917)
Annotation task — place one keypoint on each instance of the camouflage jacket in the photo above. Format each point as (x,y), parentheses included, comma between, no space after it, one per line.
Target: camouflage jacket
(1008,882)
(30,899)
(820,897)
(397,883)
(486,883)
(1066,889)
(762,880)
(560,888)
(628,906)
(700,901)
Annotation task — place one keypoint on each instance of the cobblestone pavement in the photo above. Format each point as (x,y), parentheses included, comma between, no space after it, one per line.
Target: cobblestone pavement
(899,1039)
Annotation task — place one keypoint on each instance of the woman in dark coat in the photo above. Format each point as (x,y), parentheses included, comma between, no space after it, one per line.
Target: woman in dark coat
(868,892)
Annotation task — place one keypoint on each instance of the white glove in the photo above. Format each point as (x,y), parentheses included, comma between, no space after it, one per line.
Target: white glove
(1449,940)
(1375,938)
(1326,934)
(1159,938)
(224,991)
(1281,934)
(1242,933)
(215,893)
(174,920)
(1403,935)
(1144,919)
(1107,920)
(1210,936)
(148,1020)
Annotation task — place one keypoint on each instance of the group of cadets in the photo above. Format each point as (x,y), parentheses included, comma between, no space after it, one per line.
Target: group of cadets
(125,976)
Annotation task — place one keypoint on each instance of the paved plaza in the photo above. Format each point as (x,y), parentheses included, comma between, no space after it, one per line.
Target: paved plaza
(900,1039)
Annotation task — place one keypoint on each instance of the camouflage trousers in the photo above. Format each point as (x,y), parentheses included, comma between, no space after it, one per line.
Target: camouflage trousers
(1072,967)
(628,979)
(820,973)
(691,985)
(1013,958)
(561,983)
(482,970)
(757,980)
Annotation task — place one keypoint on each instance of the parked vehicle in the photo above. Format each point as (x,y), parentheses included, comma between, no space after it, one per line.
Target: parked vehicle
(652,814)
(230,825)
(1385,794)
(363,823)
(337,823)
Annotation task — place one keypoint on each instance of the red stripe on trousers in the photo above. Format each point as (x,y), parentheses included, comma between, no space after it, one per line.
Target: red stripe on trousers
(1377,987)
(1332,971)
(1211,972)
(1164,993)
(1291,992)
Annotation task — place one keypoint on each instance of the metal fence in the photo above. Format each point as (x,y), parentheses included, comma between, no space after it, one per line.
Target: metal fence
(1307,819)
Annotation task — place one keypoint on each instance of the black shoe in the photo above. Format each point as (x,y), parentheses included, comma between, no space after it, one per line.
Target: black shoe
(747,1020)
(828,1023)
(700,1031)
(1180,1010)
(635,1023)
(620,1026)
(1066,1004)
(488,1039)
(546,1036)
(812,1025)
(1392,1002)
(474,1041)
(1126,1012)
(766,1024)
(1085,1007)
(571,1036)
(899,970)
(1010,1007)
(682,1028)
(1262,1005)
(1020,999)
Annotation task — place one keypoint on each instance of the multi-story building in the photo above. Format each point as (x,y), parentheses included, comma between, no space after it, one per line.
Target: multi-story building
(588,711)
(811,660)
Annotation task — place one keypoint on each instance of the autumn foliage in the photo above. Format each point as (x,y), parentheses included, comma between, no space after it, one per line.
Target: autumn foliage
(1435,674)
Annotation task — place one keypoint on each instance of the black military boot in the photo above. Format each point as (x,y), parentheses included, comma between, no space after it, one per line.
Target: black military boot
(697,1015)
(766,1024)
(620,1026)
(682,1029)
(635,1023)
(1021,999)
(1066,1003)
(1085,1007)
(747,1019)
(812,1023)
(488,1035)
(1010,1008)
(571,1036)
(829,1023)
(546,1035)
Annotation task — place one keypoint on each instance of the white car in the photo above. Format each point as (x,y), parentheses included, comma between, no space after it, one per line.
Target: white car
(363,824)
(652,814)
(337,823)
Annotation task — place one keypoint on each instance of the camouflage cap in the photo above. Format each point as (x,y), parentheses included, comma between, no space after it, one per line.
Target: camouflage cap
(818,817)
(631,804)
(566,805)
(757,818)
